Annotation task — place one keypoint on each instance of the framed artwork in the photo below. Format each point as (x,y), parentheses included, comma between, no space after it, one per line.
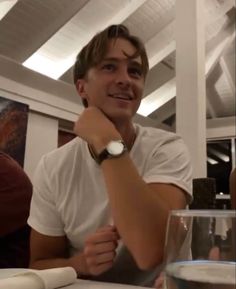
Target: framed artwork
(13,128)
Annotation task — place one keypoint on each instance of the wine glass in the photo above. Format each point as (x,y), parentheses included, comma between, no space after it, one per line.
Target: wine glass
(200,250)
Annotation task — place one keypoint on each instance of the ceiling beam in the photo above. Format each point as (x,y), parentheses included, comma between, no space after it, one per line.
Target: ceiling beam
(164,112)
(217,9)
(163,43)
(226,38)
(6,6)
(228,75)
(54,62)
(146,121)
(168,91)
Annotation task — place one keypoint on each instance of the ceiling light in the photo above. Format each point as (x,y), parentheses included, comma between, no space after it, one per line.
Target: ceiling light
(5,7)
(219,155)
(51,68)
(211,161)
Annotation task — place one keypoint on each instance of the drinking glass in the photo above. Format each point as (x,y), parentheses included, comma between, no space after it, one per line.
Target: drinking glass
(200,250)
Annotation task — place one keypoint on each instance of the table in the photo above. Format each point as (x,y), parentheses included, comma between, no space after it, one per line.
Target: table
(86,284)
(79,284)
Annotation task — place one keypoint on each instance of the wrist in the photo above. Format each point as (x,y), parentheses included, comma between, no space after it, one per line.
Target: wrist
(100,143)
(78,262)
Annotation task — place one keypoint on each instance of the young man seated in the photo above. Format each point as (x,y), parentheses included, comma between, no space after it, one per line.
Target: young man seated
(101,202)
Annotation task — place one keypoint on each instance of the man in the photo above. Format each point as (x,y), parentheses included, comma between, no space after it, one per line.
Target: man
(15,196)
(106,195)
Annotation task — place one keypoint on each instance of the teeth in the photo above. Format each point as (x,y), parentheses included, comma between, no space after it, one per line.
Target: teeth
(121,96)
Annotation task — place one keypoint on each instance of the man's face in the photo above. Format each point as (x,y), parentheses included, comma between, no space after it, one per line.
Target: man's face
(116,84)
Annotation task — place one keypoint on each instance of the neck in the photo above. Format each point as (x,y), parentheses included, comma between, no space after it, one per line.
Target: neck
(127,132)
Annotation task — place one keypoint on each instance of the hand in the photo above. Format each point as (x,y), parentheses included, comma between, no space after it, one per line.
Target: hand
(99,252)
(95,128)
(159,281)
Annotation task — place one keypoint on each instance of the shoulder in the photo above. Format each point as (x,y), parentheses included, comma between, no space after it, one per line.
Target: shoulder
(61,158)
(10,166)
(156,147)
(6,160)
(157,137)
(64,152)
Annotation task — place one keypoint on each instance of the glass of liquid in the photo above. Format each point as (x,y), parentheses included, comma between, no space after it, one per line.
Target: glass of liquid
(200,250)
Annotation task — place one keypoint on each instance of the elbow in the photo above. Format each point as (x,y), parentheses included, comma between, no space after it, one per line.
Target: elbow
(148,260)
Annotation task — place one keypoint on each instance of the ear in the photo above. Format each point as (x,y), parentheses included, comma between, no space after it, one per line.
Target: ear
(80,87)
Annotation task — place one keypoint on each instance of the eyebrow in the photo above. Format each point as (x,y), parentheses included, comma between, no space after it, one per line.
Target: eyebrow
(130,60)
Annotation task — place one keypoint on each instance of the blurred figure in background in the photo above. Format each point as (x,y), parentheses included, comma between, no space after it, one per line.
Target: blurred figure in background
(15,196)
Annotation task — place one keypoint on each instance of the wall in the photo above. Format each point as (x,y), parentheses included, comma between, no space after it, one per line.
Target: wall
(48,100)
(221,128)
(42,134)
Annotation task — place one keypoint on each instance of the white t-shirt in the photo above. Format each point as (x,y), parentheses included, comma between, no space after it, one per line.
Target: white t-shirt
(70,196)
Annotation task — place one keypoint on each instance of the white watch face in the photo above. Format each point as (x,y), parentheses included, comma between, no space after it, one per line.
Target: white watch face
(115,148)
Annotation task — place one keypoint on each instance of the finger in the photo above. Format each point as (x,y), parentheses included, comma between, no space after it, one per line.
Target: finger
(95,249)
(159,282)
(105,257)
(100,259)
(97,270)
(100,237)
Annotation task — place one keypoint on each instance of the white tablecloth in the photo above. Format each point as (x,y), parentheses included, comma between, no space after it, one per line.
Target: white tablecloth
(86,284)
(79,283)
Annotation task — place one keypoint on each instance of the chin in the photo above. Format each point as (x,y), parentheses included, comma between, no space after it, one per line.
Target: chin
(121,117)
(119,113)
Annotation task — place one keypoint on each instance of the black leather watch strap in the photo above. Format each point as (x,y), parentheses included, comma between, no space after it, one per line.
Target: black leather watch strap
(105,154)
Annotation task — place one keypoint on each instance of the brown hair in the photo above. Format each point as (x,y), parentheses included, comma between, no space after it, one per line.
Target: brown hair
(93,53)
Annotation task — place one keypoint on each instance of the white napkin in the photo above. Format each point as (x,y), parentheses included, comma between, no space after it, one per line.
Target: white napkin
(40,279)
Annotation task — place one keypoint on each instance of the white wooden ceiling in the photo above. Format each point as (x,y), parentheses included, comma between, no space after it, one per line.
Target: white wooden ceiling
(45,35)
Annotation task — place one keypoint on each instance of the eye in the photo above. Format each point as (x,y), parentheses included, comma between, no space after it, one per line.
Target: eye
(135,72)
(108,67)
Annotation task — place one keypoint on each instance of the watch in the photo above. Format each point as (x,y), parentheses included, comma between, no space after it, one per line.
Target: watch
(113,149)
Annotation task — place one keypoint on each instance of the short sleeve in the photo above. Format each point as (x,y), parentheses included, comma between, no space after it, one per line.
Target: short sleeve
(44,216)
(170,163)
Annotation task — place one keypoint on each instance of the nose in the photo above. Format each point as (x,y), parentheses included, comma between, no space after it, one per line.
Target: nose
(123,78)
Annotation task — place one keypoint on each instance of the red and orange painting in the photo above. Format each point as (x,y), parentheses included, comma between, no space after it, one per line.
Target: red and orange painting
(13,128)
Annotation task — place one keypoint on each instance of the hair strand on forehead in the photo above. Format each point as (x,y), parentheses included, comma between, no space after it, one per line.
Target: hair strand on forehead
(93,53)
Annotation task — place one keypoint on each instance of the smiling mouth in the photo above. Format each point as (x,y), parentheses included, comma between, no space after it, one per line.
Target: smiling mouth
(122,96)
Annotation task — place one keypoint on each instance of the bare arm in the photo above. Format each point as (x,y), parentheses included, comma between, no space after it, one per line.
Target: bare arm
(96,258)
(140,210)
(48,252)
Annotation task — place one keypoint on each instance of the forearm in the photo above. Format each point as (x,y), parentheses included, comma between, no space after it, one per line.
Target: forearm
(139,216)
(50,263)
(76,262)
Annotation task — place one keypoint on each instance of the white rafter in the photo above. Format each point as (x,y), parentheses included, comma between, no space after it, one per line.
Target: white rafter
(168,91)
(163,43)
(229,78)
(76,33)
(6,6)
